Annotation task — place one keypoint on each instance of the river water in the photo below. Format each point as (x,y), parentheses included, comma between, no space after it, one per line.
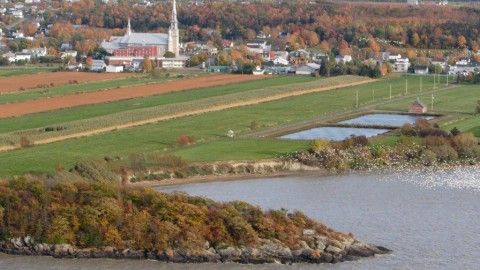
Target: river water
(431,219)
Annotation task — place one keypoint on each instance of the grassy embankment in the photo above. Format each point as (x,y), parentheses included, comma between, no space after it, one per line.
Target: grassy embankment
(208,129)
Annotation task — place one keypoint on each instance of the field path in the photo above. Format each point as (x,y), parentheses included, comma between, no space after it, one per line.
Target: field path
(31,81)
(96,97)
(190,113)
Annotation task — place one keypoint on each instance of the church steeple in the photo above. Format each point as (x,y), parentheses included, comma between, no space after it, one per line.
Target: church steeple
(173,35)
(129,28)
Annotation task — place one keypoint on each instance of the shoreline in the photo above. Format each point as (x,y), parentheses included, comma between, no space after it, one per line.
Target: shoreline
(311,171)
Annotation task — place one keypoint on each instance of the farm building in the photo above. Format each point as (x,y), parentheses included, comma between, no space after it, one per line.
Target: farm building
(308,69)
(421,70)
(114,69)
(417,107)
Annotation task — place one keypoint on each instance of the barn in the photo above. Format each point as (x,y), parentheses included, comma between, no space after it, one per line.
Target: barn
(417,107)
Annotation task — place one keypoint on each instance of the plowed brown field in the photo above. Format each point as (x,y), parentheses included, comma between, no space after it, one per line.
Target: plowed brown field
(14,83)
(88,98)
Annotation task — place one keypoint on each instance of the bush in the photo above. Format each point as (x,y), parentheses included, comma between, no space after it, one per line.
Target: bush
(183,140)
(356,141)
(466,145)
(408,130)
(422,124)
(25,142)
(253,125)
(428,157)
(318,145)
(432,132)
(455,131)
(441,147)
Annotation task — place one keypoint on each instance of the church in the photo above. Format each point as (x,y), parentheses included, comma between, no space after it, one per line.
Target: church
(132,47)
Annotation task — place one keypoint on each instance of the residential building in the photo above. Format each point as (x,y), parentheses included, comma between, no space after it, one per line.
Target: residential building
(421,70)
(114,69)
(98,65)
(343,58)
(401,65)
(308,69)
(280,61)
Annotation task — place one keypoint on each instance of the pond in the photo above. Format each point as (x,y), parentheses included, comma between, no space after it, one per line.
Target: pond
(383,119)
(334,133)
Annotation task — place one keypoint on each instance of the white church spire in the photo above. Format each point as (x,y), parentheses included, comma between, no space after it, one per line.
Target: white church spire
(173,35)
(129,28)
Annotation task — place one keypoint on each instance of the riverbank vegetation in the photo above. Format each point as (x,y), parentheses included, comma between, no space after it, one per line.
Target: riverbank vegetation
(420,145)
(95,215)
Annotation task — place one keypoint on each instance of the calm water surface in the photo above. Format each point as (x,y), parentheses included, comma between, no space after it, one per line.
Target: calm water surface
(383,119)
(431,219)
(333,133)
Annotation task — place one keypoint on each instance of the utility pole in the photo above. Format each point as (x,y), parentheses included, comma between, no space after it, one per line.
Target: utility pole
(447,78)
(390,91)
(406,87)
(373,95)
(357,98)
(432,101)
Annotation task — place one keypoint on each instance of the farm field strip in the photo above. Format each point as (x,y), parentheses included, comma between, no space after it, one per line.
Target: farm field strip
(78,88)
(52,118)
(161,113)
(7,72)
(61,102)
(208,129)
(32,81)
(459,99)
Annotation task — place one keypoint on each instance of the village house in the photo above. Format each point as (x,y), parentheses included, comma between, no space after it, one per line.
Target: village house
(114,69)
(308,69)
(98,65)
(280,61)
(421,70)
(401,65)
(417,107)
(343,58)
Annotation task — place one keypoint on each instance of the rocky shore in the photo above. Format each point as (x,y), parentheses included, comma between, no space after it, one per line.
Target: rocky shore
(317,249)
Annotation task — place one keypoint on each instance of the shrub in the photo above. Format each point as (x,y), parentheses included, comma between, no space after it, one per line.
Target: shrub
(408,130)
(25,142)
(318,145)
(432,132)
(428,157)
(455,131)
(422,124)
(356,141)
(466,145)
(441,147)
(253,125)
(183,140)
(94,171)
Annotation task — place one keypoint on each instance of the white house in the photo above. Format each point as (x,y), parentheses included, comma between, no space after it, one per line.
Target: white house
(344,58)
(98,65)
(280,61)
(394,57)
(421,70)
(308,69)
(38,52)
(67,54)
(401,65)
(173,63)
(23,57)
(114,69)
(17,14)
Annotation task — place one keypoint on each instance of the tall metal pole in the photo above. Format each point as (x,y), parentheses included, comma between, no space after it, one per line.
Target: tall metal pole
(390,91)
(447,78)
(432,101)
(406,87)
(357,98)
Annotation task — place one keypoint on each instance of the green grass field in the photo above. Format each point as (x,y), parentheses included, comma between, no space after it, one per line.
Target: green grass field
(208,129)
(15,71)
(76,88)
(461,99)
(86,112)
